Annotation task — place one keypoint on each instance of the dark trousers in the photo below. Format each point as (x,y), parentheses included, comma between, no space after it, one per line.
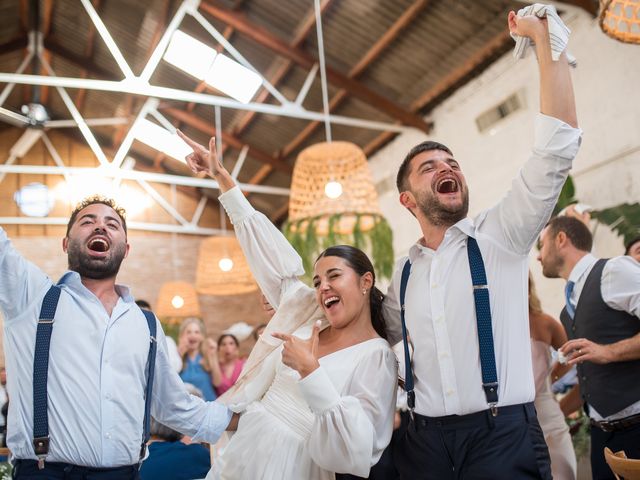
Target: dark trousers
(627,440)
(477,446)
(28,470)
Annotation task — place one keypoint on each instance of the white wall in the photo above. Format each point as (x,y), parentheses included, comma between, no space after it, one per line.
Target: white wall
(606,171)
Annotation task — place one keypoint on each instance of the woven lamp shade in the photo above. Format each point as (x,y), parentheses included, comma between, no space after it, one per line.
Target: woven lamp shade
(211,279)
(620,19)
(321,163)
(165,308)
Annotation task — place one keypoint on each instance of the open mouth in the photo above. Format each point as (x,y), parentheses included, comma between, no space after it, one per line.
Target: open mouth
(447,185)
(99,245)
(331,301)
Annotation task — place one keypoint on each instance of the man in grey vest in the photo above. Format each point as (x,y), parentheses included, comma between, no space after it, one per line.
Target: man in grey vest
(602,320)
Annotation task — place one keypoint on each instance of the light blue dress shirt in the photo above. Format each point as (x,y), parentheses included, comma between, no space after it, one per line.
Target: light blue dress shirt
(97,372)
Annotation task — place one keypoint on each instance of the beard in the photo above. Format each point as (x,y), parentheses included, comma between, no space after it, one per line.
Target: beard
(439,214)
(95,268)
(552,265)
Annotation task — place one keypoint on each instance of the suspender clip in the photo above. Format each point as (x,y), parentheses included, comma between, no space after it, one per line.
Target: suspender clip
(41,449)
(494,409)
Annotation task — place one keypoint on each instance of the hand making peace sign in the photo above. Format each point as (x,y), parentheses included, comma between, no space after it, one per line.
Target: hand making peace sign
(301,355)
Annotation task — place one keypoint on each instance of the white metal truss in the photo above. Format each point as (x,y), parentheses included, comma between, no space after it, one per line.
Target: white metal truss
(140,85)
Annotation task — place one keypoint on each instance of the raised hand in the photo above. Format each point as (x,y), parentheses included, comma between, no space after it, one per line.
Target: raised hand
(212,348)
(528,26)
(301,355)
(203,160)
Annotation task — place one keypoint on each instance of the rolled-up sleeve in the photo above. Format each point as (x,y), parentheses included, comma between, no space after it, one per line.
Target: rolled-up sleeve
(521,215)
(273,261)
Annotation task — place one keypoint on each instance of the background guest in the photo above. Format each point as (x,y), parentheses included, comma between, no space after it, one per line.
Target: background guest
(196,369)
(229,363)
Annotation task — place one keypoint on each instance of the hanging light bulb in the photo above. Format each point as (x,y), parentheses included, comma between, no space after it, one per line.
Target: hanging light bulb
(177,301)
(333,189)
(225,264)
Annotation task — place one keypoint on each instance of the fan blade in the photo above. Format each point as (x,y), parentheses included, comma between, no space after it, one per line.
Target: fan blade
(14,118)
(92,122)
(25,142)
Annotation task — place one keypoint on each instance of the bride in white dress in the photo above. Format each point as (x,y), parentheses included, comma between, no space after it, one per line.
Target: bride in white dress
(317,395)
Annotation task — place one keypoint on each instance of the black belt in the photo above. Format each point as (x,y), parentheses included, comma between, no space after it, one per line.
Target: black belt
(69,467)
(617,425)
(483,417)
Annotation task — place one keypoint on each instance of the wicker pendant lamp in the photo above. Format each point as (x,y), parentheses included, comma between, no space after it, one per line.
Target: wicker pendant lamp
(320,217)
(620,19)
(176,301)
(222,268)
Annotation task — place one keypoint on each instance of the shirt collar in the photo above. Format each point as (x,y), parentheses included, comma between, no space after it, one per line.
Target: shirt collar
(464,226)
(581,267)
(72,279)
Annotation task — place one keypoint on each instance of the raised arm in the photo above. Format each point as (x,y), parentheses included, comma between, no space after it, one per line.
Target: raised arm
(21,282)
(273,261)
(519,217)
(556,88)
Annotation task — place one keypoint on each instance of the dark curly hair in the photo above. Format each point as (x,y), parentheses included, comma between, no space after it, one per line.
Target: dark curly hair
(92,200)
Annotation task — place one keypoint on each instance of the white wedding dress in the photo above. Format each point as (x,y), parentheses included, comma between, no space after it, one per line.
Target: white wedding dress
(339,418)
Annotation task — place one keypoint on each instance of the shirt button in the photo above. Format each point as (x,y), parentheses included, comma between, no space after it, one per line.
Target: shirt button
(108,435)
(434,285)
(450,392)
(439,319)
(444,355)
(108,396)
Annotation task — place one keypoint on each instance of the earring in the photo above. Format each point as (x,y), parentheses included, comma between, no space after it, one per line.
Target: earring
(364,291)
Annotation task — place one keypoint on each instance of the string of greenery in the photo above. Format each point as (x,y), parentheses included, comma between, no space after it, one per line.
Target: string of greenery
(377,242)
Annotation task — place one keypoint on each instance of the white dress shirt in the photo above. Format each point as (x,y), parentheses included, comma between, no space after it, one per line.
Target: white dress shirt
(97,372)
(440,311)
(620,289)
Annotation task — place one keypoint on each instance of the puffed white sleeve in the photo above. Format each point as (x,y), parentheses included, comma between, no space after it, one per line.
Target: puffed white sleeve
(273,261)
(352,428)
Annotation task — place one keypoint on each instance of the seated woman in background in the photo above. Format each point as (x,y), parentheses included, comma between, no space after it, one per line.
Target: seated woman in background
(229,364)
(196,368)
(317,395)
(545,332)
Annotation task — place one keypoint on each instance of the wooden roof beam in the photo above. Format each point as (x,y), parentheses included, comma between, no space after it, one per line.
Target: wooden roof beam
(14,44)
(205,127)
(367,59)
(258,34)
(496,46)
(81,61)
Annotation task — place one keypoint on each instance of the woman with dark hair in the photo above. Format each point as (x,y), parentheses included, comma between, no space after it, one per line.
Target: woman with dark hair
(317,396)
(229,362)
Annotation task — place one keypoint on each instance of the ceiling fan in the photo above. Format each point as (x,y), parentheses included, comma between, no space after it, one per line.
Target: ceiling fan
(33,115)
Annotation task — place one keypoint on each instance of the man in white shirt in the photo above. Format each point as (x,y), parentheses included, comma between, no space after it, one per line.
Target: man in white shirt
(97,367)
(601,318)
(455,433)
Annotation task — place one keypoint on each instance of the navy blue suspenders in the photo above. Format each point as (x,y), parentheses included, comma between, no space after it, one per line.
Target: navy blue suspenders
(483,320)
(41,369)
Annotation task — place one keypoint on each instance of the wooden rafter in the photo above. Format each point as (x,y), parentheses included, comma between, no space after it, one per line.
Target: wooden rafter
(14,44)
(258,34)
(367,59)
(303,30)
(80,60)
(496,46)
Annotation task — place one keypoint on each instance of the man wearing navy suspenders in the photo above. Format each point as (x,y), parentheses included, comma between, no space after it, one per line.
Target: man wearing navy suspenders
(87,367)
(463,291)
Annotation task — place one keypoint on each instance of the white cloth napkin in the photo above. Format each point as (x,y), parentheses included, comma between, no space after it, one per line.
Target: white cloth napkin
(558,33)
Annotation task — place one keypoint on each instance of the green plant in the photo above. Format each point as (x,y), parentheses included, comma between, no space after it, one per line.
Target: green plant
(5,471)
(624,219)
(376,241)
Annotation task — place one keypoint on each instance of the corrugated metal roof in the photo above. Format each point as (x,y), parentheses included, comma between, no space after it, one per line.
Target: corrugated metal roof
(443,35)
